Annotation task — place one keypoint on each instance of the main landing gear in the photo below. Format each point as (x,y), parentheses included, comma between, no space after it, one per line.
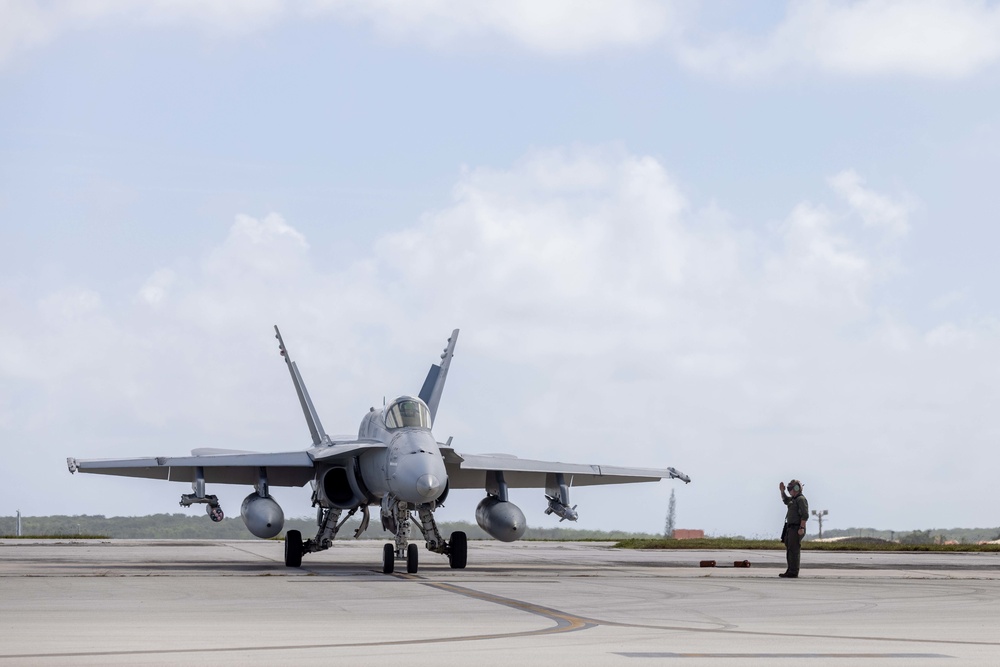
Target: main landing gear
(396,518)
(328,523)
(458,551)
(293,548)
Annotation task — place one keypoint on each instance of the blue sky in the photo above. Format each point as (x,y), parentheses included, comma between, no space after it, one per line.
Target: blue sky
(751,244)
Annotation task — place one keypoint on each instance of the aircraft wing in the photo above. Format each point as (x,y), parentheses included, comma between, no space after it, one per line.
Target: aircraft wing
(468,471)
(227,466)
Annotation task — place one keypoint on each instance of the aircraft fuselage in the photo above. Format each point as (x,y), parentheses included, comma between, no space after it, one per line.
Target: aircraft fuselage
(410,468)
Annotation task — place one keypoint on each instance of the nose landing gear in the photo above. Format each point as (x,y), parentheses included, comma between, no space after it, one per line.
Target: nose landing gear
(389,558)
(396,518)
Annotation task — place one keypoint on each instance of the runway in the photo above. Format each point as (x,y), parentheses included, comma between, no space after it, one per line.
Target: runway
(122,602)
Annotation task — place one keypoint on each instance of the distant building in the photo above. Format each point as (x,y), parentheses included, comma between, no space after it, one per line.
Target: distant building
(688,534)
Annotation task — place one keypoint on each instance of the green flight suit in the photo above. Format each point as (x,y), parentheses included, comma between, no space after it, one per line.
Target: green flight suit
(795,517)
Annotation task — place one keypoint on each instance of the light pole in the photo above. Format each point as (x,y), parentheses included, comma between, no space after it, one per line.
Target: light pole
(819,517)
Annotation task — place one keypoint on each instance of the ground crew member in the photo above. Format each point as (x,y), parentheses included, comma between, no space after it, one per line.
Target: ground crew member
(795,525)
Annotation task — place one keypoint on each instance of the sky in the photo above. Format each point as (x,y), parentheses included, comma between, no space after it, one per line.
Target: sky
(752,243)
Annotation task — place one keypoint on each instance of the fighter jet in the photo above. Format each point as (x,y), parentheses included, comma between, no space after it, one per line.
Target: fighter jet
(395,464)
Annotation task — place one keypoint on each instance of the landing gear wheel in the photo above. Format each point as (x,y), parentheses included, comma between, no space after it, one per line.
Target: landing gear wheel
(388,558)
(293,548)
(411,559)
(458,550)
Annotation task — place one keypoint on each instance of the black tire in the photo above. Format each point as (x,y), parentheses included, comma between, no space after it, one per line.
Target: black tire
(458,550)
(412,554)
(293,548)
(388,558)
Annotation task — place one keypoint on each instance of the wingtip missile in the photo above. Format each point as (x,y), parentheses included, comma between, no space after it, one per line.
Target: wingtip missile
(677,474)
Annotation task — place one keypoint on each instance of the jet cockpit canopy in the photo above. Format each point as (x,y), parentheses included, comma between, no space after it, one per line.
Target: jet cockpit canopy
(407,411)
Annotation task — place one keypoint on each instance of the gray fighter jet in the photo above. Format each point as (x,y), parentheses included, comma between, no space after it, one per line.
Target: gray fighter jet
(395,464)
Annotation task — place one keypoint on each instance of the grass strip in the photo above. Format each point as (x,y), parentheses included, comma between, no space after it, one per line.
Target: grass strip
(723,543)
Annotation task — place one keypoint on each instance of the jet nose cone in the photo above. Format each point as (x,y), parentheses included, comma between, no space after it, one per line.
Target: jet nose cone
(429,486)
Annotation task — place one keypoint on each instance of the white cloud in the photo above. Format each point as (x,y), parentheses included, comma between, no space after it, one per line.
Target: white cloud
(26,24)
(555,27)
(259,248)
(970,337)
(70,305)
(941,39)
(820,270)
(591,239)
(921,38)
(590,234)
(551,27)
(876,210)
(950,299)
(23,25)
(215,15)
(156,288)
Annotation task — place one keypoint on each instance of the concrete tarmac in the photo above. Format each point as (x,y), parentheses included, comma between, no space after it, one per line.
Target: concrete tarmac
(125,602)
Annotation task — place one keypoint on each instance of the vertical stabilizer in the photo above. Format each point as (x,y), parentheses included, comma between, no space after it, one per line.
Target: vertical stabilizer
(319,436)
(430,393)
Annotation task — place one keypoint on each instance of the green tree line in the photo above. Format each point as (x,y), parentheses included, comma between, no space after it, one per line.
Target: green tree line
(184,526)
(931,536)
